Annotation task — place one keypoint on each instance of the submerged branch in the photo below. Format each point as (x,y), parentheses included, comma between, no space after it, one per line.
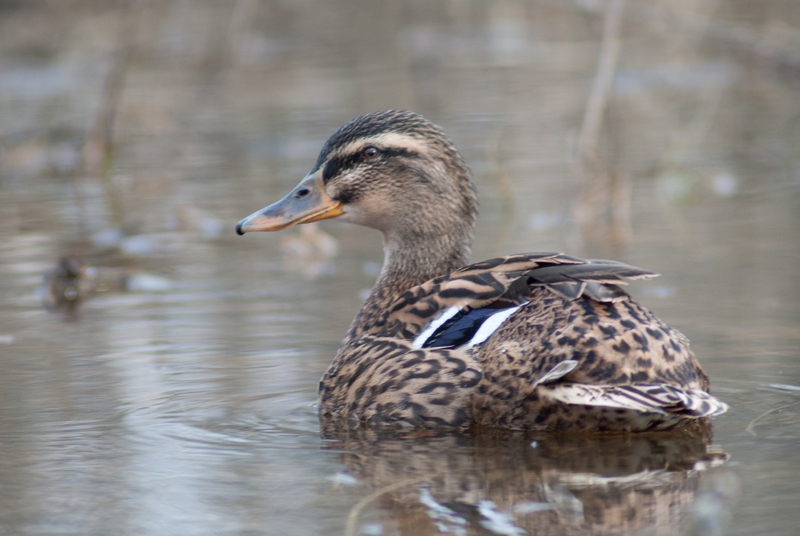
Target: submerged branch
(352,517)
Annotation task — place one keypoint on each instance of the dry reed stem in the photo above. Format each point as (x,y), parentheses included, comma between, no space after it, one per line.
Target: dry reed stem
(601,189)
(97,155)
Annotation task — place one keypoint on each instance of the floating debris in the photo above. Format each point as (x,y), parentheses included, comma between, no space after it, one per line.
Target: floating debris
(532,507)
(146,282)
(107,239)
(146,245)
(371,529)
(72,282)
(343,479)
(67,285)
(725,185)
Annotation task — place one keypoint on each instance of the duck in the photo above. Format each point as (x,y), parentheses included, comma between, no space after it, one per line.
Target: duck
(532,341)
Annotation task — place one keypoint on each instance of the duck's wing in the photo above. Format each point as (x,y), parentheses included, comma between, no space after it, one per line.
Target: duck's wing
(577,331)
(387,382)
(465,307)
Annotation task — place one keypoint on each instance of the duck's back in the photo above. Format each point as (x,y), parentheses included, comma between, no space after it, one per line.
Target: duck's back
(607,345)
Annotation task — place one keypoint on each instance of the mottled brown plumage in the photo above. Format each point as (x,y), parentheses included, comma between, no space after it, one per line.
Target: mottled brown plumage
(536,341)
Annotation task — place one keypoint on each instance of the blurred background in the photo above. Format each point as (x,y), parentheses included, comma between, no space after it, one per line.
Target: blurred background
(158,374)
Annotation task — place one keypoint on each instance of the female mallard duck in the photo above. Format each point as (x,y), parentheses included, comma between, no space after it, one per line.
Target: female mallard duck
(538,341)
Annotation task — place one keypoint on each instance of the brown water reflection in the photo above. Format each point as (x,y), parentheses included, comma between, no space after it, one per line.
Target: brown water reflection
(181,399)
(526,484)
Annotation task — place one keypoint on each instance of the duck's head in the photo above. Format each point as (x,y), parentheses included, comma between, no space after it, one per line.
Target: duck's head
(394,171)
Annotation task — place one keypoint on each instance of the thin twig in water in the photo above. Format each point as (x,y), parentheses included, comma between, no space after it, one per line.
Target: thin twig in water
(750,427)
(352,517)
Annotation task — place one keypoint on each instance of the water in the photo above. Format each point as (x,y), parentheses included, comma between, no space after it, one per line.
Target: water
(185,404)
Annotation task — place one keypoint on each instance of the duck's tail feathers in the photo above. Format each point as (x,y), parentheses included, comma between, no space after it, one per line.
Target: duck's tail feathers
(647,398)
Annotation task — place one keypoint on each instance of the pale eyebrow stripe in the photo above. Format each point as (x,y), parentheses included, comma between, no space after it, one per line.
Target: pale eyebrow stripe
(386,140)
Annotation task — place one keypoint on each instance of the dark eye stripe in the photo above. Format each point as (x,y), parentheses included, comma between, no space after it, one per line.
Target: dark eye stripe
(332,167)
(339,163)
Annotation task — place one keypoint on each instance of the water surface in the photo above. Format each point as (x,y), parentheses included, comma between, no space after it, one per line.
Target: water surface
(180,400)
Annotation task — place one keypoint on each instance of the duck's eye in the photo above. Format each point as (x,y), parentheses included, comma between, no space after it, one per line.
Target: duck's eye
(371,153)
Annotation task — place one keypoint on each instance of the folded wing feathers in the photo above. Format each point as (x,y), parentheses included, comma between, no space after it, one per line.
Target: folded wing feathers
(557,372)
(568,290)
(515,263)
(625,270)
(596,270)
(564,275)
(597,279)
(647,398)
(505,279)
(604,293)
(508,278)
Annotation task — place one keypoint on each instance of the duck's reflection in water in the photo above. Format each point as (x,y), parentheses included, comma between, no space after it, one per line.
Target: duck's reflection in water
(522,483)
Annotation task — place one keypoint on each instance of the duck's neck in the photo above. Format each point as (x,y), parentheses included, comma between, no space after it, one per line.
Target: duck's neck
(430,236)
(411,259)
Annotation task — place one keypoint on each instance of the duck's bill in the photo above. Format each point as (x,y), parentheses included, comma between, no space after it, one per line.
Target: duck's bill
(306,203)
